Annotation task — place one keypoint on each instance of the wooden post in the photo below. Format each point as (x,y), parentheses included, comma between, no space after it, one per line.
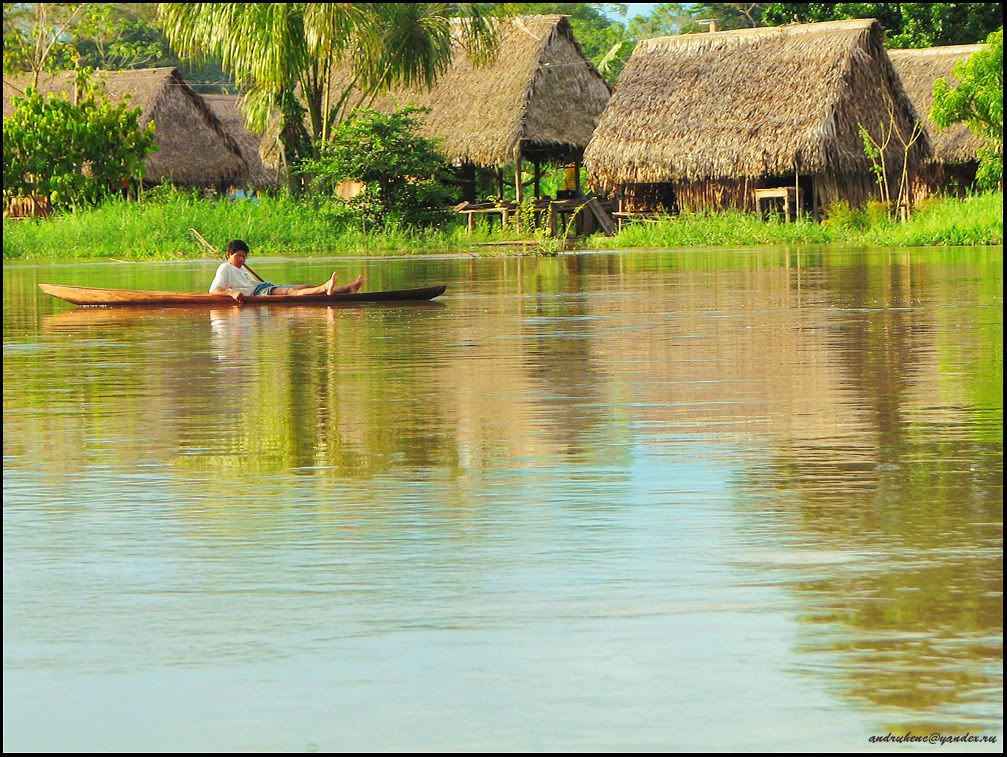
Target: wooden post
(518,189)
(500,183)
(537,181)
(797,192)
(576,176)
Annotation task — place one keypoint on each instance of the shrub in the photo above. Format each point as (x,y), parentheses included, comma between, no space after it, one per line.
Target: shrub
(841,216)
(403,174)
(977,102)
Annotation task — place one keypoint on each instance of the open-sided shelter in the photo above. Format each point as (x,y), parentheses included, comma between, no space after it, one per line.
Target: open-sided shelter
(539,99)
(702,120)
(193,148)
(952,168)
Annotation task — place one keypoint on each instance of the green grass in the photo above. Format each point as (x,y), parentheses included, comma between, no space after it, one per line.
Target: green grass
(158,227)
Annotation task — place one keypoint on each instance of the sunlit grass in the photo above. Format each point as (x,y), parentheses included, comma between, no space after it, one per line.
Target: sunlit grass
(158,228)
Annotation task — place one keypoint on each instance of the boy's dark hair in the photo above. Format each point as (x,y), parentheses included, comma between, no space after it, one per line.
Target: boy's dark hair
(236,245)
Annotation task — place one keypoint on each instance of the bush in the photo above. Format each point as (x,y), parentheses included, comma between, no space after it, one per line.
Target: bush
(841,216)
(403,174)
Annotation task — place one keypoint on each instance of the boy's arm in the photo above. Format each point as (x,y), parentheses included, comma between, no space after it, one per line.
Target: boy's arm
(238,296)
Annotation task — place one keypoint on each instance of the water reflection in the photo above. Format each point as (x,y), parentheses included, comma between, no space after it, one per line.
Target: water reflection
(803,450)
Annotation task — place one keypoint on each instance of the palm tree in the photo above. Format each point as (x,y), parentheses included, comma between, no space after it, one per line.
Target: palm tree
(279,50)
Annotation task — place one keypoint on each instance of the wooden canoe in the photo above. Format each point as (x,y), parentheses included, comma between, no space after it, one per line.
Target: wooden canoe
(123,297)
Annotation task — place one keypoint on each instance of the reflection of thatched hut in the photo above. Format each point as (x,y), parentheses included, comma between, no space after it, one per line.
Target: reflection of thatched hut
(953,165)
(227,111)
(193,148)
(701,120)
(538,100)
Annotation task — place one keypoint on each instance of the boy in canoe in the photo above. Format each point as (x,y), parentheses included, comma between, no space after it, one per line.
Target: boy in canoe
(234,280)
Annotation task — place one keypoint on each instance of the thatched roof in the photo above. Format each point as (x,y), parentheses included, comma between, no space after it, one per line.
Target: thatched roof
(227,110)
(749,103)
(539,91)
(919,69)
(193,148)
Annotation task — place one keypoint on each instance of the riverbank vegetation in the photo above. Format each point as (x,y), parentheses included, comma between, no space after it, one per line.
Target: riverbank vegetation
(157,227)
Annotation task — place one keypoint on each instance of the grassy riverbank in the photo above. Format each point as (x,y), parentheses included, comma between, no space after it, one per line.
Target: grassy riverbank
(951,222)
(158,229)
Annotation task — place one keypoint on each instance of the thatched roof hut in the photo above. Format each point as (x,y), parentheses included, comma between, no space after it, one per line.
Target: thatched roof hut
(227,110)
(193,148)
(717,115)
(539,94)
(955,148)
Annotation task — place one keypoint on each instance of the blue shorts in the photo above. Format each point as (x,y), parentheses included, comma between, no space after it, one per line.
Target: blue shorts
(264,288)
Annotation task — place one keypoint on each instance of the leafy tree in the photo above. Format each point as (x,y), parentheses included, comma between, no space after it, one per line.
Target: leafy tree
(35,36)
(279,52)
(403,173)
(60,36)
(977,102)
(74,154)
(906,24)
(111,37)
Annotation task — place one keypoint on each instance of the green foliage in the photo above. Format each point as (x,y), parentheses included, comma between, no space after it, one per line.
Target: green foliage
(977,101)
(873,153)
(906,24)
(96,35)
(37,36)
(73,154)
(273,49)
(111,38)
(402,172)
(692,18)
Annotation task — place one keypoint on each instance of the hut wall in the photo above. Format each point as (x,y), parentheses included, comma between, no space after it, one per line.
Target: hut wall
(950,179)
(737,194)
(855,189)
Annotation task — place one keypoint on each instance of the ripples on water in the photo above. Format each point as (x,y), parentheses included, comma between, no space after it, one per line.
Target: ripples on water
(745,500)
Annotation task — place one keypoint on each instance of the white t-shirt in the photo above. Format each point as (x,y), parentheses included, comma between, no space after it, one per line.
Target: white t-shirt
(229,277)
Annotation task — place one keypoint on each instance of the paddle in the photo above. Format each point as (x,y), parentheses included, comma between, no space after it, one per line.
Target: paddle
(209,247)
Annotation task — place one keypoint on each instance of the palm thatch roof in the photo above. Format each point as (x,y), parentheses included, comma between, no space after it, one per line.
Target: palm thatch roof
(226,109)
(749,103)
(193,147)
(539,91)
(919,69)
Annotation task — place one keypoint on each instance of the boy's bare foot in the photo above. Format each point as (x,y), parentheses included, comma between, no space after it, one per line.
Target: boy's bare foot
(356,284)
(330,285)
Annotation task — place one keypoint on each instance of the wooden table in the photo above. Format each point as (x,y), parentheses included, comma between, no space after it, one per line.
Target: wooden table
(503,211)
(791,197)
(558,213)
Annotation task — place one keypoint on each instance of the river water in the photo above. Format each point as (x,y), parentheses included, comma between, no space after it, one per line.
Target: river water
(707,499)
